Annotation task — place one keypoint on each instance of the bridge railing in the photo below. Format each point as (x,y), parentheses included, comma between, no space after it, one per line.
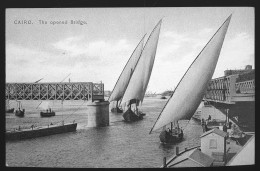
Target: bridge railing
(245,87)
(55,91)
(226,89)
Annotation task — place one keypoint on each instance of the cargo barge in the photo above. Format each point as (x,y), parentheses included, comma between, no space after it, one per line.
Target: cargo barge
(39,131)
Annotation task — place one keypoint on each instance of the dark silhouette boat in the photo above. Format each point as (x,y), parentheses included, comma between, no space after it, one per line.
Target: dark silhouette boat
(130,116)
(172,135)
(19,112)
(35,132)
(163,97)
(48,113)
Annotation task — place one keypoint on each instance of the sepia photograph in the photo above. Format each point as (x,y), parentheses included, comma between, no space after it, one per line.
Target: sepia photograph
(130,87)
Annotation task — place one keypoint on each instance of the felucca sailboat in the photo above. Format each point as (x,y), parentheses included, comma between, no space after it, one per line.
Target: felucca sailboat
(191,88)
(137,86)
(19,111)
(124,78)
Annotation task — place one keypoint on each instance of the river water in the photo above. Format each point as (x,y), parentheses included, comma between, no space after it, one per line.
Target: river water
(120,145)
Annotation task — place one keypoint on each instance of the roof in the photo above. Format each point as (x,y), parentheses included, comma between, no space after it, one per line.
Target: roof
(201,158)
(247,150)
(192,158)
(216,131)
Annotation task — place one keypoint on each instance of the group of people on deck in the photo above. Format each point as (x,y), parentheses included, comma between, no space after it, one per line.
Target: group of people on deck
(204,124)
(175,131)
(48,110)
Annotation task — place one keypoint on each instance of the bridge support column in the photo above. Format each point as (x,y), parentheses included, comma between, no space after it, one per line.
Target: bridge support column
(98,114)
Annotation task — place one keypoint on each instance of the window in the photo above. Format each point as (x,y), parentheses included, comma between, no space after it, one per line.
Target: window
(213,144)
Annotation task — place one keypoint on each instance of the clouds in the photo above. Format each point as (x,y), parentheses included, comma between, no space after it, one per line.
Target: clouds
(104,60)
(100,50)
(87,61)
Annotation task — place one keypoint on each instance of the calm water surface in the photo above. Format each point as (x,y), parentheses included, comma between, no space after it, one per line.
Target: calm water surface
(118,145)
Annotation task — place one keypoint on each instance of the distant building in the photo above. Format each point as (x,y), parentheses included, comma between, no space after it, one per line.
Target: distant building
(247,69)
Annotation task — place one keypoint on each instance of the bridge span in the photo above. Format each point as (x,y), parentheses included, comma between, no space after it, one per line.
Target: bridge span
(55,91)
(227,90)
(234,91)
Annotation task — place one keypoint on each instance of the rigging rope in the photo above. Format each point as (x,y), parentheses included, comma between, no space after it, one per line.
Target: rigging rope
(70,114)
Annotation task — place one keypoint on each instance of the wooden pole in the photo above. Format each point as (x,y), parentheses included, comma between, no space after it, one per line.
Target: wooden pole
(227,115)
(164,162)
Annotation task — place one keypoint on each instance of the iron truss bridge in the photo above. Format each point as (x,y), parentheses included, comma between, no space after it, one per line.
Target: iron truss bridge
(55,91)
(227,90)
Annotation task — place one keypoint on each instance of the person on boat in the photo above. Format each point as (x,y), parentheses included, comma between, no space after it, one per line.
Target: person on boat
(169,130)
(50,110)
(203,125)
(209,118)
(47,110)
(229,125)
(180,133)
(225,128)
(206,122)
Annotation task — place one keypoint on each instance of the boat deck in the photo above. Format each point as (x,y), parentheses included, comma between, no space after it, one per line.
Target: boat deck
(39,131)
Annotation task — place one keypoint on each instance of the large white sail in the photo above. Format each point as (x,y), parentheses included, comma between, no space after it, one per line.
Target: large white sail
(125,76)
(190,90)
(141,75)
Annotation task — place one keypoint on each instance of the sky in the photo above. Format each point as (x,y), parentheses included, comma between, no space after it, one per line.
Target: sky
(98,49)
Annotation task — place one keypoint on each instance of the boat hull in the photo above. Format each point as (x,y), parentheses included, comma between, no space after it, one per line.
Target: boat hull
(130,116)
(166,137)
(10,110)
(40,132)
(47,114)
(19,113)
(163,97)
(116,110)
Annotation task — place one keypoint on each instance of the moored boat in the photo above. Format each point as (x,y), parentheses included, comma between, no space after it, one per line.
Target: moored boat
(39,131)
(18,112)
(172,135)
(130,116)
(48,112)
